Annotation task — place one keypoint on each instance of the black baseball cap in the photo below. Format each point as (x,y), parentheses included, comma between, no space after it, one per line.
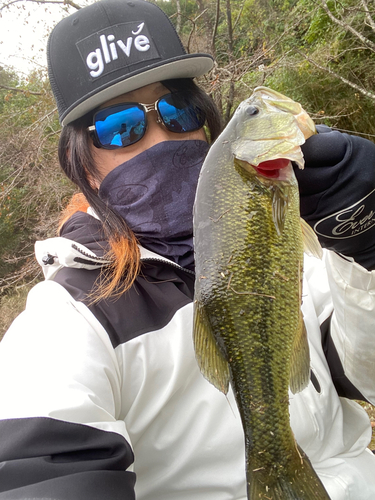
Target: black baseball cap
(112,47)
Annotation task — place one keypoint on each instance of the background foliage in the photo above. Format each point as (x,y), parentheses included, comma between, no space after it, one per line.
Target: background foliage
(318,52)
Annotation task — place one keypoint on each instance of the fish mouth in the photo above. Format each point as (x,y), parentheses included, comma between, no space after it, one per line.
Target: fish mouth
(271,168)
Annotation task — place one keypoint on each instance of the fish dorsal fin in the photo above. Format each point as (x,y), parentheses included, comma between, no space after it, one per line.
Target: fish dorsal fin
(300,359)
(210,360)
(310,241)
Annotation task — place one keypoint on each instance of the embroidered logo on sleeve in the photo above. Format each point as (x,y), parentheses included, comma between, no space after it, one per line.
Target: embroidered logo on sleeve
(349,222)
(120,46)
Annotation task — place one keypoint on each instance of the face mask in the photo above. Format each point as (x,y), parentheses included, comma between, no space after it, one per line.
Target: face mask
(154,192)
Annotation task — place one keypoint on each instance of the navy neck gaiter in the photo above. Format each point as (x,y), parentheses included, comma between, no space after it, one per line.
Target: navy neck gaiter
(154,192)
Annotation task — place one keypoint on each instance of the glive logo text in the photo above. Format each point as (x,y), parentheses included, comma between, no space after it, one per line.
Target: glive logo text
(120,46)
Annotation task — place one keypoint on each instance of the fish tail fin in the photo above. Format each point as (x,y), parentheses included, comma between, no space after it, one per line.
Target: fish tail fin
(299,483)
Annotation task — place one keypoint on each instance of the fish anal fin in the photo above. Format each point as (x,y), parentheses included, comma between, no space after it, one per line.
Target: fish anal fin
(210,360)
(310,241)
(300,359)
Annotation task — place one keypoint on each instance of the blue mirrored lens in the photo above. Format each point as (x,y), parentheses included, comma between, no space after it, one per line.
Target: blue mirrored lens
(121,125)
(179,115)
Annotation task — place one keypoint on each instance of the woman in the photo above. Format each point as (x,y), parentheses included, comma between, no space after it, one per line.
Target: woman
(101,396)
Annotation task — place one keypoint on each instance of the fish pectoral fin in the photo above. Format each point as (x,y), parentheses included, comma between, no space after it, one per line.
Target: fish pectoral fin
(310,241)
(211,362)
(280,198)
(300,359)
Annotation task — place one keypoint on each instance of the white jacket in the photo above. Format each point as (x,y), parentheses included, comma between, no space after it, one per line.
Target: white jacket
(85,390)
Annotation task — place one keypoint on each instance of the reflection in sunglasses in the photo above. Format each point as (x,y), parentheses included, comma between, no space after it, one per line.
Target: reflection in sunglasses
(124,124)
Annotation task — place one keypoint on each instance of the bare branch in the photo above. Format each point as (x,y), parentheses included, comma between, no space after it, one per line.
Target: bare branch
(340,54)
(230,97)
(230,30)
(370,20)
(193,21)
(239,16)
(344,80)
(347,26)
(42,2)
(24,91)
(178,24)
(206,16)
(214,31)
(353,132)
(30,269)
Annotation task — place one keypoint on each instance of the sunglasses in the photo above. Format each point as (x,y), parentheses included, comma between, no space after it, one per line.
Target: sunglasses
(125,124)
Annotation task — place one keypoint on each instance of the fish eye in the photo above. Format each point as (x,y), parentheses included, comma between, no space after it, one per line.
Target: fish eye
(252,110)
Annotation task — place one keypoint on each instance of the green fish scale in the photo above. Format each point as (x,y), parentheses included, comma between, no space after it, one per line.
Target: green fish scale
(250,292)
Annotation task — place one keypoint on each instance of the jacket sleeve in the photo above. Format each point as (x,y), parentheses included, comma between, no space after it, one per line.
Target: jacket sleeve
(337,193)
(63,436)
(352,327)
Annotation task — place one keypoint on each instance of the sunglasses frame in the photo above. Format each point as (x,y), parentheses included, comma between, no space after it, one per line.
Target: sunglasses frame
(147,108)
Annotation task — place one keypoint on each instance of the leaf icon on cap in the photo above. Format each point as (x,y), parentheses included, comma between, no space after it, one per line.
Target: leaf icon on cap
(140,28)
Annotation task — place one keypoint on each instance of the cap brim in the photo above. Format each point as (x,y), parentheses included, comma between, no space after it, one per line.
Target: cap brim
(186,66)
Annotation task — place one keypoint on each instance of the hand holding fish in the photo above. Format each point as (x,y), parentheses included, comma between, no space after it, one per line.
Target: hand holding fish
(337,192)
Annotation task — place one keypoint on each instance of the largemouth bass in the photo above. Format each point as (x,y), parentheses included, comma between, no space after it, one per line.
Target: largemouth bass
(248,325)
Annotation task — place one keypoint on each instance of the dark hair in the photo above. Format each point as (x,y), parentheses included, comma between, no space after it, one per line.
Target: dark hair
(77,161)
